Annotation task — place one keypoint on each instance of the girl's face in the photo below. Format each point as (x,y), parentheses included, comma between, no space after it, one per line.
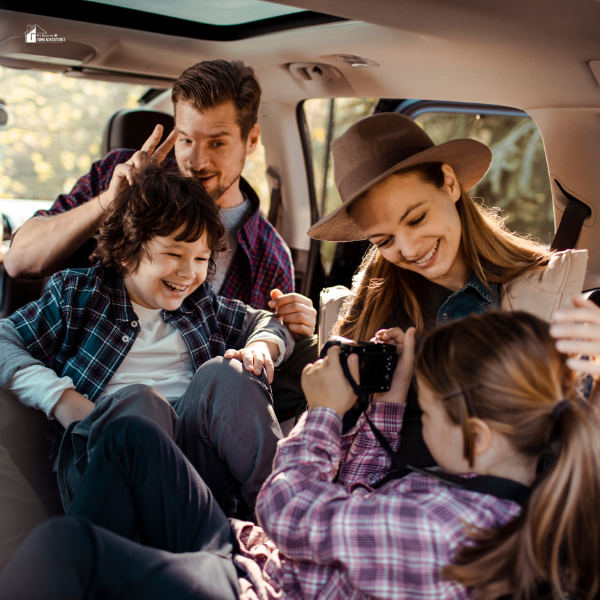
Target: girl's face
(443,437)
(416,226)
(175,270)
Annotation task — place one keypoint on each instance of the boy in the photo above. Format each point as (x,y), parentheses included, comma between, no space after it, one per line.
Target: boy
(145,314)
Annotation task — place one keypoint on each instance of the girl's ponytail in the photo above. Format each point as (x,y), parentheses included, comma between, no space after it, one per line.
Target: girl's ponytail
(555,543)
(518,383)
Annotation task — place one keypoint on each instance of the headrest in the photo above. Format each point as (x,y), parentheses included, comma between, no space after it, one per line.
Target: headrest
(131,127)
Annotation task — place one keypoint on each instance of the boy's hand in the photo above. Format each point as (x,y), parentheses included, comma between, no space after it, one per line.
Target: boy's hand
(405,347)
(577,332)
(296,311)
(122,175)
(255,356)
(324,383)
(72,406)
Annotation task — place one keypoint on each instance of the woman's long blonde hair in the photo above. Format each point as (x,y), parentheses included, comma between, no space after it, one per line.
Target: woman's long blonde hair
(489,249)
(512,377)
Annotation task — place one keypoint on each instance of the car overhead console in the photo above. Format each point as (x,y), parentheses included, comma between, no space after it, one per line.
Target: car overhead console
(314,71)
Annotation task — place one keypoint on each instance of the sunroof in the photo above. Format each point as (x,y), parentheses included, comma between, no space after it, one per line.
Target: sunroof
(210,12)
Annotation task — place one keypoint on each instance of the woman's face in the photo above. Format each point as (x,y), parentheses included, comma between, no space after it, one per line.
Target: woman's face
(416,226)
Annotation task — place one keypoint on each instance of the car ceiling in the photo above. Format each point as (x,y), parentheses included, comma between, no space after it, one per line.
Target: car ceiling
(517,53)
(532,55)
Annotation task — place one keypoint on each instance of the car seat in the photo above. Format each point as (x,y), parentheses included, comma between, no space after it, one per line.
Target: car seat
(131,127)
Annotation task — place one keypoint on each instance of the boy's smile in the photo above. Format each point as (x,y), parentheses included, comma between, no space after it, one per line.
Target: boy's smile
(171,272)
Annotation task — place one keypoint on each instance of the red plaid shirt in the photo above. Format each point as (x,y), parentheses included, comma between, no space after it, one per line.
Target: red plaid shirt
(262,262)
(346,540)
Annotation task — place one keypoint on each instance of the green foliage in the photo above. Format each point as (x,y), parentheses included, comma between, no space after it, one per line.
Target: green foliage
(517,182)
(346,112)
(55,129)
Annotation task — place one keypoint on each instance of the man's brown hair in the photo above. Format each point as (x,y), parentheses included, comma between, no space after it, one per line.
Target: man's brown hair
(159,202)
(213,82)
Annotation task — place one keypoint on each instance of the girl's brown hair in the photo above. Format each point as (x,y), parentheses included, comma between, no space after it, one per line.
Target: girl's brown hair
(489,249)
(504,368)
(159,202)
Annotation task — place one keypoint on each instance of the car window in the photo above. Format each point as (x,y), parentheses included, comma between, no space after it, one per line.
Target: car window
(327,119)
(53,134)
(255,173)
(517,181)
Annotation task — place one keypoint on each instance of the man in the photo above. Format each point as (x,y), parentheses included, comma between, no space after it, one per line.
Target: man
(216,112)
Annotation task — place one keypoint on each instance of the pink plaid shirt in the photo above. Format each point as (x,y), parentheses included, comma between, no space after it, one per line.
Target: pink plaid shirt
(345,540)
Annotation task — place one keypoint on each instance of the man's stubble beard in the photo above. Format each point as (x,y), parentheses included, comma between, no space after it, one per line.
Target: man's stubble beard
(216,194)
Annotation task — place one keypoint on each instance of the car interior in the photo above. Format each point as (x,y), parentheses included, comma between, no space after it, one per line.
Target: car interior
(521,76)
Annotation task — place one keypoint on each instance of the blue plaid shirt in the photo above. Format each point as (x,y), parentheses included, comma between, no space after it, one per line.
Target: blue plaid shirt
(261,263)
(84,326)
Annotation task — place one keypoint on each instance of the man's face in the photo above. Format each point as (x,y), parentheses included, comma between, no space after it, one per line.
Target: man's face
(210,146)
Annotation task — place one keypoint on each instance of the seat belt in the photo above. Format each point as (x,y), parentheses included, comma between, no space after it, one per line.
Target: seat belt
(571,223)
(275,182)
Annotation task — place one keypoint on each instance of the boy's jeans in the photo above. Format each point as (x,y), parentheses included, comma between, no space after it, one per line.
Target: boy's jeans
(224,423)
(138,486)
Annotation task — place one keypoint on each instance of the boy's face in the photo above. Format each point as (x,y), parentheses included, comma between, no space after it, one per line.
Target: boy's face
(175,271)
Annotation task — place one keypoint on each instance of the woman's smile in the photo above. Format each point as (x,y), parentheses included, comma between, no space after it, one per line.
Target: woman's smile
(429,258)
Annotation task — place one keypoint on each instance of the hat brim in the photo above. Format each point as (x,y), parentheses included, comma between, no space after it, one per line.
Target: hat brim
(469,159)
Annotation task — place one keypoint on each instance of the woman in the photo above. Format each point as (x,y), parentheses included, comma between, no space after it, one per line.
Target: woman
(437,255)
(496,395)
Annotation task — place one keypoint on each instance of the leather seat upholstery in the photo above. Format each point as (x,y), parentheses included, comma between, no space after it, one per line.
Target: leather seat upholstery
(131,127)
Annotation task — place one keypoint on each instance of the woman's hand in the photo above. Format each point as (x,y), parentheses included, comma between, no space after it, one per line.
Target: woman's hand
(405,347)
(324,383)
(255,356)
(577,332)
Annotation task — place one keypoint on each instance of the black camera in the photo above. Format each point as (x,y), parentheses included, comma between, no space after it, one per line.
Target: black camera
(376,360)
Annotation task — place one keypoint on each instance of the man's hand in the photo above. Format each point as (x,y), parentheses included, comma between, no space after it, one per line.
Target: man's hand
(324,383)
(405,347)
(72,406)
(255,356)
(577,332)
(122,175)
(296,311)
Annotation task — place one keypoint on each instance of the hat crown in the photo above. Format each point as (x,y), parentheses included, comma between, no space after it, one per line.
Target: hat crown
(390,134)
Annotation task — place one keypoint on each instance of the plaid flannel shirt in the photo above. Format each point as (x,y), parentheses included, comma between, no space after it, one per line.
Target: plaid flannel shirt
(261,263)
(350,541)
(84,326)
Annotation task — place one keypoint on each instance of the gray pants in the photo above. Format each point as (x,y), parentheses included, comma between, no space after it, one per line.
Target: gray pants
(21,451)
(224,423)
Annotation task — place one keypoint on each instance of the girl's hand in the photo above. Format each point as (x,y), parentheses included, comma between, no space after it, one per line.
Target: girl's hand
(405,347)
(324,383)
(255,356)
(577,332)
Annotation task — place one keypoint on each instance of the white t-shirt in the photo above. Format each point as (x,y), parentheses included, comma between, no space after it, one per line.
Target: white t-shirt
(159,358)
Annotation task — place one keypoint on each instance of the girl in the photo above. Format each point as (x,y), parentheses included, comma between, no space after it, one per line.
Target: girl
(496,395)
(437,255)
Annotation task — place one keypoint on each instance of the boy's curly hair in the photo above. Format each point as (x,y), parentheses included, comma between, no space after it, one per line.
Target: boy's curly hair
(159,202)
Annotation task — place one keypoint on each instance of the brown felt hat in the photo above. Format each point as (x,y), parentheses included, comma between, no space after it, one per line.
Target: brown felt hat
(380,145)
